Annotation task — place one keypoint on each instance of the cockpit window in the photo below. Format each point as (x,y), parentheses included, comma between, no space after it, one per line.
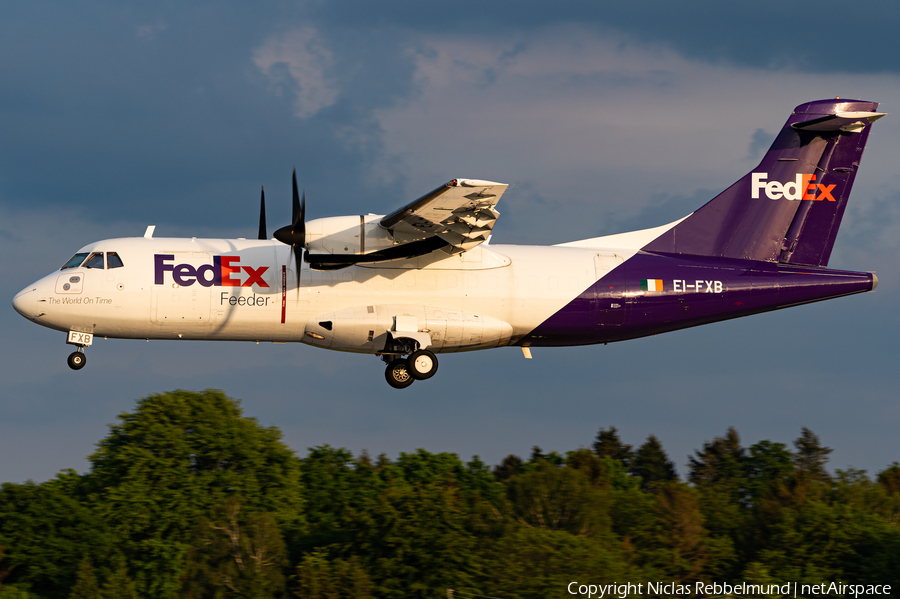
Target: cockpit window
(75,261)
(95,260)
(113,260)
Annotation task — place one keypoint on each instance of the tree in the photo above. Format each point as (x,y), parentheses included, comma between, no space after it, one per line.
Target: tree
(334,484)
(769,466)
(319,577)
(588,462)
(166,465)
(419,535)
(889,478)
(721,462)
(236,554)
(119,584)
(810,456)
(608,444)
(718,471)
(509,467)
(535,563)
(86,585)
(558,499)
(46,530)
(651,463)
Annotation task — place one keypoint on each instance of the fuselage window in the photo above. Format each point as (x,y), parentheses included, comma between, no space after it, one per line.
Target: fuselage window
(113,260)
(75,261)
(95,260)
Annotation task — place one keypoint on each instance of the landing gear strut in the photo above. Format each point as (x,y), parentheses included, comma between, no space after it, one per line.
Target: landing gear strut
(403,372)
(77,359)
(80,340)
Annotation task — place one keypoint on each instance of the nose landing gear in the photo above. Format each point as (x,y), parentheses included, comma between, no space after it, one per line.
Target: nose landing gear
(403,372)
(80,340)
(77,359)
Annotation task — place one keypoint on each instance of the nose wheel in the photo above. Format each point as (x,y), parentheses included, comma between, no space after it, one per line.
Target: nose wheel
(403,372)
(77,360)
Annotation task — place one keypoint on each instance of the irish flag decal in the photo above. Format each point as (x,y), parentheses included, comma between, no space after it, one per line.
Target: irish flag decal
(651,285)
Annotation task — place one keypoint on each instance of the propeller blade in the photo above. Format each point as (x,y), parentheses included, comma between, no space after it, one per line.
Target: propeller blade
(262,214)
(302,228)
(294,234)
(296,210)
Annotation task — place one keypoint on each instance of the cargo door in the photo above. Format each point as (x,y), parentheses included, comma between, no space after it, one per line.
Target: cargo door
(185,305)
(609,291)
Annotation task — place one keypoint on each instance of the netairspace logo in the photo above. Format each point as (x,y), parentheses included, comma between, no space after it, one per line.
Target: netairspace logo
(701,589)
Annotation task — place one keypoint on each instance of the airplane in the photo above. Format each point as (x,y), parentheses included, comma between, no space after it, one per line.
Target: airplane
(425,279)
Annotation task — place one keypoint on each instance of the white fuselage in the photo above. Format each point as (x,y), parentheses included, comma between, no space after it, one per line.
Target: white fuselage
(487,297)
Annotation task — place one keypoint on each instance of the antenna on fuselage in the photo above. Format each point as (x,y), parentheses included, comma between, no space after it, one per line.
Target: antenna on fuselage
(262,214)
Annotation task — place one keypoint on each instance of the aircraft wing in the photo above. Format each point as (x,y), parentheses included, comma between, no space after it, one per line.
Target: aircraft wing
(461,213)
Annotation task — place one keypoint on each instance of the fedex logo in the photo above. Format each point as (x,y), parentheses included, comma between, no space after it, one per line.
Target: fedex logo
(225,271)
(802,188)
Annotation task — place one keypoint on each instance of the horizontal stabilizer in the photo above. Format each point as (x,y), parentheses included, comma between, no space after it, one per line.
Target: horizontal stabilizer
(849,122)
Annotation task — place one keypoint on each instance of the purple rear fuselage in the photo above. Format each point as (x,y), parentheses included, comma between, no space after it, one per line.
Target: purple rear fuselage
(695,290)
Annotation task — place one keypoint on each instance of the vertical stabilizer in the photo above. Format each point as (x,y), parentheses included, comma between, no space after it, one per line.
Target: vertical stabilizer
(788,209)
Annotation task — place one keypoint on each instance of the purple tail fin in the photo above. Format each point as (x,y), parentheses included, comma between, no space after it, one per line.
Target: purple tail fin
(788,209)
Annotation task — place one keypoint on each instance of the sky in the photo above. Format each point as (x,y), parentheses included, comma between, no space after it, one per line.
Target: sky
(119,115)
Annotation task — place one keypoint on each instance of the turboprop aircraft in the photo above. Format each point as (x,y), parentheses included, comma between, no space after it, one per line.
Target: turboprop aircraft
(425,279)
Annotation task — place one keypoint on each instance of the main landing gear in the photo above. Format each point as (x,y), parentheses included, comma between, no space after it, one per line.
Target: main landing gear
(403,372)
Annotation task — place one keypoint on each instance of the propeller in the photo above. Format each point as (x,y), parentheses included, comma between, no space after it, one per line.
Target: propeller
(294,234)
(262,214)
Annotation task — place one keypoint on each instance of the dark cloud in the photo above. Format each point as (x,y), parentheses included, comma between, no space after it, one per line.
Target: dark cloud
(759,143)
(767,34)
(115,116)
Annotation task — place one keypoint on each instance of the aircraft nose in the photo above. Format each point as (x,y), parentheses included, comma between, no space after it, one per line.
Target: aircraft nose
(25,302)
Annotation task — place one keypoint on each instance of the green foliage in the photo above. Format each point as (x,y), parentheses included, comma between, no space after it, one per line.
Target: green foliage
(558,499)
(414,541)
(769,468)
(46,530)
(509,467)
(16,591)
(811,457)
(889,478)
(188,498)
(235,553)
(651,464)
(86,585)
(720,464)
(319,577)
(168,463)
(119,585)
(535,563)
(608,444)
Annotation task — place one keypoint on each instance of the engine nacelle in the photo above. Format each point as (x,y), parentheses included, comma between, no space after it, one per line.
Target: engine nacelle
(358,234)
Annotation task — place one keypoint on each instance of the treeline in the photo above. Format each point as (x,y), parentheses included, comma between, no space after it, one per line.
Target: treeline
(186,497)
